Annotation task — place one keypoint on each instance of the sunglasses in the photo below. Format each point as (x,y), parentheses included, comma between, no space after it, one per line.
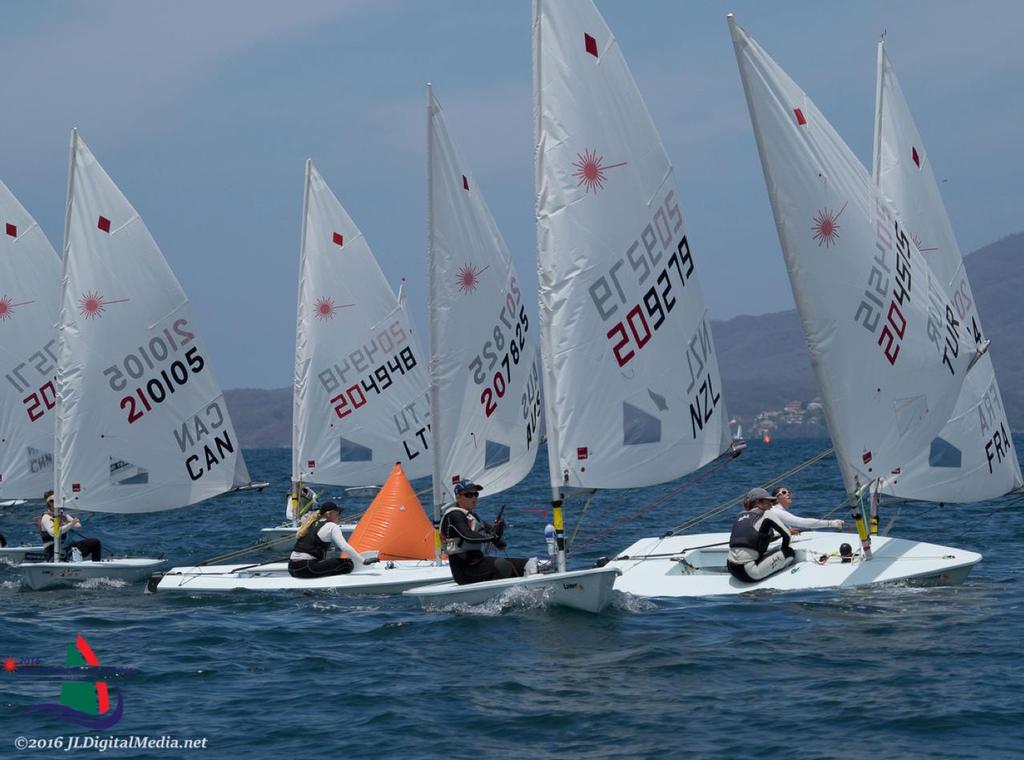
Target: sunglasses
(471,495)
(783,493)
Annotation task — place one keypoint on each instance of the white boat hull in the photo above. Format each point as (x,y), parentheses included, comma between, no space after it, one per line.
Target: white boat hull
(694,565)
(588,590)
(44,575)
(380,578)
(13,555)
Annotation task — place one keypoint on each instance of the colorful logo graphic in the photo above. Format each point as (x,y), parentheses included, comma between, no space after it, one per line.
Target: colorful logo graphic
(7,307)
(325,308)
(86,697)
(590,169)
(826,226)
(92,304)
(468,278)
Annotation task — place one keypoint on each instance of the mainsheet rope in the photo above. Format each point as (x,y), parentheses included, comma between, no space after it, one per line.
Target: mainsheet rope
(701,517)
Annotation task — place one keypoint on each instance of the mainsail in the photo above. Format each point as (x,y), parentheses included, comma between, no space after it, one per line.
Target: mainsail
(141,422)
(484,369)
(888,352)
(29,295)
(633,391)
(360,390)
(972,458)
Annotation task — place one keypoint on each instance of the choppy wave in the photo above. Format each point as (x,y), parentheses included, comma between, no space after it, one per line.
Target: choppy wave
(892,671)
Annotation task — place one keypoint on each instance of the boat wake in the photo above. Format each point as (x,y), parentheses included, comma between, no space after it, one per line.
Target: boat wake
(102,583)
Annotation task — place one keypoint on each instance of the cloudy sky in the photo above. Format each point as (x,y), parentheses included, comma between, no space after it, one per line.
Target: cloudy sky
(204,111)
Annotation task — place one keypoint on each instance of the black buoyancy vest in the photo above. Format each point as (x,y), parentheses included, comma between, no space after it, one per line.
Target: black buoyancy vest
(455,543)
(745,534)
(311,543)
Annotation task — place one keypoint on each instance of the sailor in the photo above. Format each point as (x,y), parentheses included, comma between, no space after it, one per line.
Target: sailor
(466,536)
(783,499)
(88,547)
(749,559)
(309,555)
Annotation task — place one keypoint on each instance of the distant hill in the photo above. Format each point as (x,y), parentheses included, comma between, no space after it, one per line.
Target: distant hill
(763,359)
(262,418)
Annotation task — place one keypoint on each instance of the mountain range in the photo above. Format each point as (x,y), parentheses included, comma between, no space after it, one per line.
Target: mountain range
(763,359)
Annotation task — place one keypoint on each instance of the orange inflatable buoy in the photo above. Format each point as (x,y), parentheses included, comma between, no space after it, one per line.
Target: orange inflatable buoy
(395,525)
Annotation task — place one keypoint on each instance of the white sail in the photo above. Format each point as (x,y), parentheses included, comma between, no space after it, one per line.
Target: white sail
(485,373)
(888,355)
(631,375)
(29,293)
(360,391)
(141,422)
(972,458)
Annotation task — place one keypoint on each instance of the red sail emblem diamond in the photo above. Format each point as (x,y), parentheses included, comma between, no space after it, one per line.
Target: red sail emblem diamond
(590,169)
(826,226)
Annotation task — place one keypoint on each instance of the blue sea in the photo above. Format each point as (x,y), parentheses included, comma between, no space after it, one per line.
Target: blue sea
(891,672)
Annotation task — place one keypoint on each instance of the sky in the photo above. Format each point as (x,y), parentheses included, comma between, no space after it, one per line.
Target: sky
(204,111)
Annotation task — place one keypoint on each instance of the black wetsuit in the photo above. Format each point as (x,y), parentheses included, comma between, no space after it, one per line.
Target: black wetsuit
(464,543)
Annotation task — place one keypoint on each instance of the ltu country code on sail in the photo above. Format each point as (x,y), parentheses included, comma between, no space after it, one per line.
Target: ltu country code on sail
(104,743)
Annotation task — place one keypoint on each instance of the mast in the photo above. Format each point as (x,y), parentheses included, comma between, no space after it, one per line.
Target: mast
(296,476)
(435,338)
(876,165)
(547,359)
(58,493)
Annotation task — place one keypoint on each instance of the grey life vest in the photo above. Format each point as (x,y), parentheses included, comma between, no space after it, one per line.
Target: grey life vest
(455,544)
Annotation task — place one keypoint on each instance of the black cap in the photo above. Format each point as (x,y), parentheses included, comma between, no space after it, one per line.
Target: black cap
(466,485)
(329,506)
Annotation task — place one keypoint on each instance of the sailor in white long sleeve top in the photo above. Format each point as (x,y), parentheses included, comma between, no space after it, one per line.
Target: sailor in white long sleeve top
(795,523)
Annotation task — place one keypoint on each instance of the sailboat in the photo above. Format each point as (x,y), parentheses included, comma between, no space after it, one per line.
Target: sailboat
(141,424)
(360,406)
(870,308)
(632,387)
(29,277)
(359,398)
(485,420)
(972,458)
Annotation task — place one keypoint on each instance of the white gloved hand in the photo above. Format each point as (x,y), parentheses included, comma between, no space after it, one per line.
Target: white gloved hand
(837,524)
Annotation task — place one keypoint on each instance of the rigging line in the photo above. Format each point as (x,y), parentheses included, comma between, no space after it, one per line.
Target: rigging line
(714,511)
(579,520)
(657,502)
(248,550)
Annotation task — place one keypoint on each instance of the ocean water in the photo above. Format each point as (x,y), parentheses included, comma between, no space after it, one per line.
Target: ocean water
(894,672)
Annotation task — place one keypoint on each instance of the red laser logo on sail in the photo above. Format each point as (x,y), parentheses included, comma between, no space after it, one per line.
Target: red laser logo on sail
(468,277)
(591,171)
(920,244)
(7,307)
(325,308)
(826,226)
(92,304)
